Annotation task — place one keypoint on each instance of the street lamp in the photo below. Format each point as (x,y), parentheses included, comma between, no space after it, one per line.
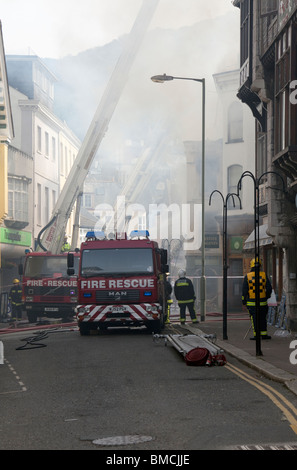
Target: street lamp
(166,78)
(225,252)
(256,182)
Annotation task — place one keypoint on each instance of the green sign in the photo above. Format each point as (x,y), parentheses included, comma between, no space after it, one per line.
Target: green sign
(15,237)
(236,244)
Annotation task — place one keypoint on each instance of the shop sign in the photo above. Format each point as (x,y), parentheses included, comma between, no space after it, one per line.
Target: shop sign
(15,237)
(212,241)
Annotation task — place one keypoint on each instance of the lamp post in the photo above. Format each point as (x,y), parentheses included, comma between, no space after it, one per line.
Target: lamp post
(256,182)
(166,78)
(225,264)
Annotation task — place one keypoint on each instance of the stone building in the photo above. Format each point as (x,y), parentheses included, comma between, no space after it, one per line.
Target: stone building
(267,86)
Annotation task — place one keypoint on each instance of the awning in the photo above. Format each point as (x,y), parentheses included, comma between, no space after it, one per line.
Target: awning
(264,239)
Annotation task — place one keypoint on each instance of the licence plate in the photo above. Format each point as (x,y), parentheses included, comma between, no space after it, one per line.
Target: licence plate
(51,309)
(117,309)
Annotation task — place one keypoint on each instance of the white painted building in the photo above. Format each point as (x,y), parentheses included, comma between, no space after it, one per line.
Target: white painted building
(237,127)
(238,131)
(40,134)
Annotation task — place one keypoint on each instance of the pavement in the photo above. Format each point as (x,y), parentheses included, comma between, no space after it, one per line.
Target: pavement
(275,363)
(278,357)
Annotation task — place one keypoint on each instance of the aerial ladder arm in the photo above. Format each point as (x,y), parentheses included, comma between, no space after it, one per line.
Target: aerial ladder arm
(135,186)
(53,235)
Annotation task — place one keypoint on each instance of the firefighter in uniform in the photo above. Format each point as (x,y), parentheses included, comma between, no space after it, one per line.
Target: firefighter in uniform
(15,297)
(66,245)
(185,296)
(168,292)
(249,298)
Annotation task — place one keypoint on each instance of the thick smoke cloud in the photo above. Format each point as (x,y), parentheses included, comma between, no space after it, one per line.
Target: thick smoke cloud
(54,28)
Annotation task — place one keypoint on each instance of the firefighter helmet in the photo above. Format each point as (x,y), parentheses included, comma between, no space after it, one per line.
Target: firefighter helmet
(15,281)
(181,273)
(253,263)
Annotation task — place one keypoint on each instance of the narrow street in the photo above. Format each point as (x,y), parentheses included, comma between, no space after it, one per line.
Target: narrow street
(120,390)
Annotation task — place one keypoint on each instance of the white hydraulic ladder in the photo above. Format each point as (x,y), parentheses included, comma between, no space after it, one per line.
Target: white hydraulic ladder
(52,236)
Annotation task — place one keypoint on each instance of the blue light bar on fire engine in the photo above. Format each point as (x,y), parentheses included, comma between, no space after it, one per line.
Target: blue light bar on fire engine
(98,235)
(139,233)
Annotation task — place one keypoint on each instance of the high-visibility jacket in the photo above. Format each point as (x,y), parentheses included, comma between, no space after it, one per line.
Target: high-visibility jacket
(184,290)
(249,289)
(15,295)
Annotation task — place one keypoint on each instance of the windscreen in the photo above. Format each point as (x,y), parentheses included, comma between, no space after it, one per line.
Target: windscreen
(123,261)
(45,266)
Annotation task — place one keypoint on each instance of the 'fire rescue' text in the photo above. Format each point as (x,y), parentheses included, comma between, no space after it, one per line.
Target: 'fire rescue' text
(116,283)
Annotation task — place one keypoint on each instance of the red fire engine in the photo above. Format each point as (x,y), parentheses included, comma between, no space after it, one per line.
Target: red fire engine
(47,288)
(121,282)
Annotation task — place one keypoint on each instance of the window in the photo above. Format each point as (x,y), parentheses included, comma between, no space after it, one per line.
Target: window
(87,200)
(268,7)
(234,174)
(245,9)
(49,266)
(38,204)
(53,149)
(46,205)
(283,120)
(142,223)
(46,144)
(39,140)
(261,153)
(18,199)
(66,161)
(62,159)
(284,74)
(54,198)
(120,261)
(235,122)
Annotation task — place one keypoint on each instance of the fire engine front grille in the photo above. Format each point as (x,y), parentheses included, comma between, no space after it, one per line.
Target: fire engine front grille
(117,296)
(48,291)
(53,298)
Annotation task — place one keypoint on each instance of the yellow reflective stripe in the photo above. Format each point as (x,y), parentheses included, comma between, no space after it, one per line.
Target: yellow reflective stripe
(182,284)
(185,301)
(253,304)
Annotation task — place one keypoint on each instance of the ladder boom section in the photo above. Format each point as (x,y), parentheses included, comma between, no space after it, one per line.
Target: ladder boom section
(53,237)
(135,186)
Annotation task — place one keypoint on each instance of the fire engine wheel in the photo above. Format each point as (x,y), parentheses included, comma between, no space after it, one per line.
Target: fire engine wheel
(102,327)
(154,326)
(32,317)
(84,329)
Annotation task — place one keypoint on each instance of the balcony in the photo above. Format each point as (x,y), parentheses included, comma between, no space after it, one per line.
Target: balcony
(286,161)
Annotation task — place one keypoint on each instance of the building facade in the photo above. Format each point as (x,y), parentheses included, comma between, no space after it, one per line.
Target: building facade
(267,86)
(6,130)
(40,156)
(238,156)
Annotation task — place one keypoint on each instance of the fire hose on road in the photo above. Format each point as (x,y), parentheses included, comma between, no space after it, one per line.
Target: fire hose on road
(33,342)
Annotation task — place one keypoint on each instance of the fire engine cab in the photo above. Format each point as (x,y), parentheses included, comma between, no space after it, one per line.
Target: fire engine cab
(121,282)
(47,289)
